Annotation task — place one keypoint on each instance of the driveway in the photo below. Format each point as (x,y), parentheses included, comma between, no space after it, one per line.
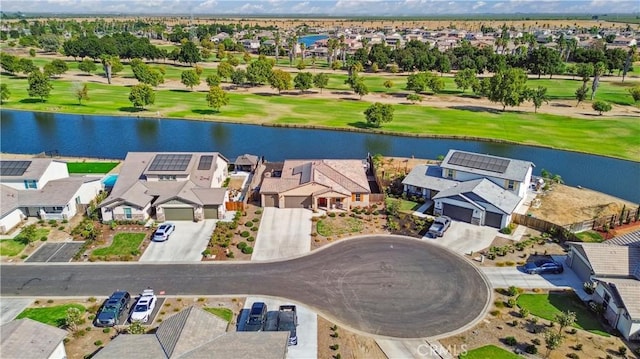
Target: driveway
(185,244)
(307,329)
(55,252)
(464,237)
(11,307)
(284,232)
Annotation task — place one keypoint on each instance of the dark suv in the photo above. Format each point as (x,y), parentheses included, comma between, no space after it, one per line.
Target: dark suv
(112,308)
(257,317)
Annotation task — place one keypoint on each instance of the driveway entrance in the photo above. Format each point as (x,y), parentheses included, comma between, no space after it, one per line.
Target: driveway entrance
(185,244)
(284,232)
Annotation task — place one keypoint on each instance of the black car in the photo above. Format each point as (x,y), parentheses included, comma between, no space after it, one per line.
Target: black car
(257,317)
(543,266)
(112,308)
(288,321)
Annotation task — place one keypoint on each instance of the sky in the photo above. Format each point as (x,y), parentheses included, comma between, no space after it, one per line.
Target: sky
(323,7)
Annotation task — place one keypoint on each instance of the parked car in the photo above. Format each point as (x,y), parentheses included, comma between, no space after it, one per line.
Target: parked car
(144,306)
(439,226)
(288,321)
(163,232)
(257,317)
(543,266)
(271,323)
(117,303)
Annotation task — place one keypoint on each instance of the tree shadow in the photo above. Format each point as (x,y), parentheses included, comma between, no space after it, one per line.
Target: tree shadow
(350,99)
(180,90)
(341,93)
(266,94)
(32,100)
(131,109)
(361,125)
(477,109)
(564,105)
(205,111)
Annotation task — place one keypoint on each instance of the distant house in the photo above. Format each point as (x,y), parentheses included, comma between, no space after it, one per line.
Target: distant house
(27,339)
(614,267)
(169,186)
(329,184)
(246,163)
(42,188)
(194,333)
(470,187)
(251,45)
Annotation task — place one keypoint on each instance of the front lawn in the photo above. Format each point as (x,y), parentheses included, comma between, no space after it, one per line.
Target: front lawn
(224,313)
(123,244)
(546,306)
(590,236)
(338,226)
(91,167)
(54,316)
(11,247)
(405,206)
(489,351)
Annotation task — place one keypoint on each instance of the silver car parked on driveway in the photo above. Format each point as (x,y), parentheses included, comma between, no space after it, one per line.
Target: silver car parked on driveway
(163,232)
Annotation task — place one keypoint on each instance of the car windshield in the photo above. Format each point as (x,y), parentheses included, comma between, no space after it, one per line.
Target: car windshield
(141,308)
(110,308)
(541,263)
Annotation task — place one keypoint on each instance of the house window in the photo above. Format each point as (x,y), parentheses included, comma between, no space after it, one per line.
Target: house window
(167,177)
(358,197)
(57,209)
(605,302)
(127,213)
(511,185)
(30,184)
(449,173)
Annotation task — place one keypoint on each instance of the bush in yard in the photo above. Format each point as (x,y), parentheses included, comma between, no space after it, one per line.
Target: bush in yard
(332,214)
(97,343)
(106,330)
(511,302)
(578,347)
(622,350)
(247,250)
(241,245)
(43,238)
(513,291)
(334,347)
(573,356)
(536,341)
(524,313)
(510,341)
(251,239)
(245,234)
(531,349)
(230,255)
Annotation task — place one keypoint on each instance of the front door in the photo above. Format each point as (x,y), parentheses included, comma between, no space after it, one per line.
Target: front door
(322,202)
(127,213)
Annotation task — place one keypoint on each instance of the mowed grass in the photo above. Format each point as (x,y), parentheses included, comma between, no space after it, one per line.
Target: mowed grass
(11,247)
(548,305)
(224,313)
(338,226)
(54,316)
(590,236)
(123,244)
(489,351)
(91,167)
(602,135)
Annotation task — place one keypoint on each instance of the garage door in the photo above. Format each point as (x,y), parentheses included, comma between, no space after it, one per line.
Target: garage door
(580,268)
(211,212)
(270,200)
(493,219)
(297,202)
(178,214)
(457,213)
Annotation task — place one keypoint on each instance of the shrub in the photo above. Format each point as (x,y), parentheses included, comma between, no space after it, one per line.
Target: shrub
(241,245)
(494,313)
(499,304)
(206,252)
(258,211)
(43,238)
(53,222)
(510,263)
(499,264)
(511,302)
(510,341)
(573,356)
(572,331)
(92,299)
(342,214)
(578,347)
(514,323)
(536,341)
(513,291)
(334,347)
(106,330)
(245,234)
(251,239)
(230,255)
(50,301)
(247,250)
(97,343)
(622,350)
(524,313)
(332,214)
(531,349)
(505,230)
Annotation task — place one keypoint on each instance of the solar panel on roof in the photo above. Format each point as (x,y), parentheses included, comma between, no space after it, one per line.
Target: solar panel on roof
(304,171)
(480,162)
(13,168)
(205,163)
(170,162)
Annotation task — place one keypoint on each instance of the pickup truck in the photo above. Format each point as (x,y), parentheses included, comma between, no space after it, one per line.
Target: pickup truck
(288,321)
(439,226)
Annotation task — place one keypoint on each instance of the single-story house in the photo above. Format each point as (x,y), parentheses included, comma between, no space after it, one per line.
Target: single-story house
(168,186)
(195,333)
(27,339)
(328,184)
(614,267)
(473,188)
(246,163)
(42,188)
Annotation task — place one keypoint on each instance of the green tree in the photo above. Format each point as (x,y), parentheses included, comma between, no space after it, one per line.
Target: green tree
(552,340)
(537,96)
(136,328)
(565,319)
(26,66)
(142,95)
(32,52)
(55,68)
(321,81)
(584,71)
(213,80)
(601,106)
(224,70)
(49,42)
(465,78)
(39,85)
(301,65)
(379,113)
(635,93)
(598,70)
(189,53)
(233,61)
(73,318)
(360,88)
(581,93)
(417,82)
(259,72)
(190,79)
(238,77)
(4,91)
(246,57)
(280,80)
(414,97)
(436,84)
(303,81)
(388,84)
(28,234)
(508,87)
(87,65)
(216,98)
(9,63)
(82,93)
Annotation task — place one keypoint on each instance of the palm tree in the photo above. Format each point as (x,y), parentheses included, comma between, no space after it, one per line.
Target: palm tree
(331,46)
(276,39)
(302,48)
(627,64)
(292,42)
(343,49)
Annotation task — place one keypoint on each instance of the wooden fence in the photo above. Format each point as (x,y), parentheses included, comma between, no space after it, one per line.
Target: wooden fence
(234,206)
(563,233)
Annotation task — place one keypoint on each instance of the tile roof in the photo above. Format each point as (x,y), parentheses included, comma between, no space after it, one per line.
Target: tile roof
(515,170)
(628,291)
(629,239)
(8,200)
(610,260)
(27,339)
(243,345)
(425,176)
(246,160)
(35,170)
(485,194)
(143,346)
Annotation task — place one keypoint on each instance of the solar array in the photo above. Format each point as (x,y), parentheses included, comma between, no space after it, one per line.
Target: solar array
(305,172)
(13,168)
(205,163)
(480,162)
(165,162)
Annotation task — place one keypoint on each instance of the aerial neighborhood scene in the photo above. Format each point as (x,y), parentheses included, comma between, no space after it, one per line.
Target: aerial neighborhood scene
(281,179)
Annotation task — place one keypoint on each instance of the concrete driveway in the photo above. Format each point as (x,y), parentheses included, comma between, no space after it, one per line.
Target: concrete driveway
(11,307)
(307,329)
(185,244)
(464,237)
(284,232)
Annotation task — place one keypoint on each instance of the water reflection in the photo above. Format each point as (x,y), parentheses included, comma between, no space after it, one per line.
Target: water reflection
(220,135)
(147,130)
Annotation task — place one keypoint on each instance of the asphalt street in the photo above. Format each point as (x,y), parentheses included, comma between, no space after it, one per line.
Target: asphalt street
(382,285)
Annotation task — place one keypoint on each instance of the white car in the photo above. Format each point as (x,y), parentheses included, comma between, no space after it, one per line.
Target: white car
(144,306)
(163,232)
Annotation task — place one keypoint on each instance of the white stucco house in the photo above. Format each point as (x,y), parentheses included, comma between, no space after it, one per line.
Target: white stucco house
(471,187)
(168,186)
(42,188)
